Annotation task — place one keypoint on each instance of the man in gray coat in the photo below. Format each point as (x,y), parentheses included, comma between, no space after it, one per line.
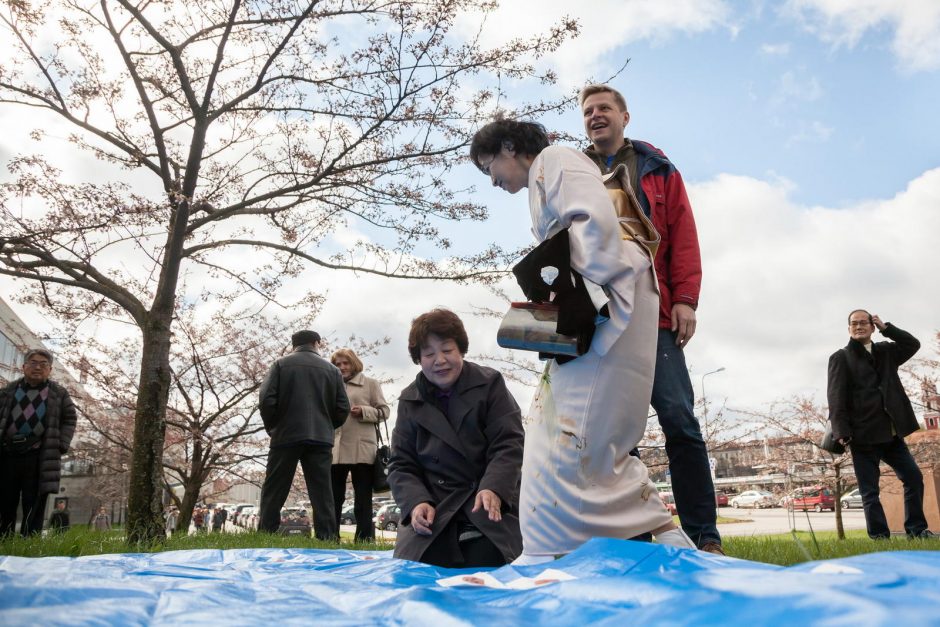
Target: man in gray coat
(303,400)
(37,420)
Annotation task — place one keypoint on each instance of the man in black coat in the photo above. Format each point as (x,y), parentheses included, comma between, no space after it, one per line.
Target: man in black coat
(37,420)
(303,400)
(870,412)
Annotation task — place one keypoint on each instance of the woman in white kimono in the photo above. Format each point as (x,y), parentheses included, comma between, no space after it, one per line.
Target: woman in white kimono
(578,477)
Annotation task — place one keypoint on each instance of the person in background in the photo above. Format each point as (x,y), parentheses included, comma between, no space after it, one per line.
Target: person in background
(37,421)
(59,520)
(579,479)
(218,519)
(302,402)
(661,194)
(871,414)
(172,518)
(355,444)
(101,521)
(456,454)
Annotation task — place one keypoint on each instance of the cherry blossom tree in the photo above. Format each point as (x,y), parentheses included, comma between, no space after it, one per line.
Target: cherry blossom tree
(233,142)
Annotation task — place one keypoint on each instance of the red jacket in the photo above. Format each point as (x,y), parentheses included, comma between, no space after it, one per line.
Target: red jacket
(665,202)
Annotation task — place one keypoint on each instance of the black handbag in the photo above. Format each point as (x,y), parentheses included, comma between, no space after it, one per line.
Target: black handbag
(380,465)
(545,276)
(828,443)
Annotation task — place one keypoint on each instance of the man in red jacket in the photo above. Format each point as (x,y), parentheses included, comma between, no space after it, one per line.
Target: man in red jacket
(661,194)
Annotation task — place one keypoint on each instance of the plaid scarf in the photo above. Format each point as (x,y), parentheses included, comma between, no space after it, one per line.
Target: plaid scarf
(29,411)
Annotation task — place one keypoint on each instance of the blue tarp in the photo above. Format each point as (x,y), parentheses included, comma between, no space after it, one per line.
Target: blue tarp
(613,582)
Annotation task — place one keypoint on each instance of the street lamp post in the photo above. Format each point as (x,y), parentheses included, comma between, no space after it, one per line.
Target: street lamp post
(705,399)
(705,424)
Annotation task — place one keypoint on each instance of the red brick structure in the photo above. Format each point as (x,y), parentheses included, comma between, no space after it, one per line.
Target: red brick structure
(925,446)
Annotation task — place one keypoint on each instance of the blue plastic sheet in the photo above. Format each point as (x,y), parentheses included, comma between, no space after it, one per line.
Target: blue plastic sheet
(614,582)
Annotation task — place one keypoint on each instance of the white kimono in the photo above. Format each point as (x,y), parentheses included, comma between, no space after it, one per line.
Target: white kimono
(578,477)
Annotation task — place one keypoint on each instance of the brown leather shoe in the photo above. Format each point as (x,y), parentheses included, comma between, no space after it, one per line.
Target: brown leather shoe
(712,547)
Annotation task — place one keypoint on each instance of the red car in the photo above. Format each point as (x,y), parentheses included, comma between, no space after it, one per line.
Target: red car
(816,498)
(721,499)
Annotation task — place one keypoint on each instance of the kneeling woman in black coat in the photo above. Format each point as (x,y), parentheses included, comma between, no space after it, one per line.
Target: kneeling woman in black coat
(456,454)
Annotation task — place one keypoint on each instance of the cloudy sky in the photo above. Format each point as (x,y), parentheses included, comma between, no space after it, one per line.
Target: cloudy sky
(807,134)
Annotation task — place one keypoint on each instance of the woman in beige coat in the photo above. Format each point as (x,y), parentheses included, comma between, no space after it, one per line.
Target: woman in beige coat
(355,443)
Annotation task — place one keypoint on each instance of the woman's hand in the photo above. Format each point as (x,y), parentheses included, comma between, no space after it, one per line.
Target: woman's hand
(422,516)
(488,500)
(356,412)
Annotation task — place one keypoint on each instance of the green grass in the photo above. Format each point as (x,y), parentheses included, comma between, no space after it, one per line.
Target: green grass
(782,549)
(83,541)
(801,546)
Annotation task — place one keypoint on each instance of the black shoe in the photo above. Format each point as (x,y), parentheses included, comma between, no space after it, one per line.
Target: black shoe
(712,547)
(926,534)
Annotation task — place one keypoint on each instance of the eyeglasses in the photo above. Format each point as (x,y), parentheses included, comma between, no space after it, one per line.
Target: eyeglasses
(859,323)
(38,364)
(486,168)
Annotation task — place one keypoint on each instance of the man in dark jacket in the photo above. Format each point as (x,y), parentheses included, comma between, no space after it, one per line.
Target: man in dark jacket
(870,412)
(661,194)
(303,400)
(37,420)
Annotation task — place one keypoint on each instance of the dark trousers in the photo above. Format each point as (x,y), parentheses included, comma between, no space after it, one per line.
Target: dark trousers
(362,489)
(279,475)
(673,399)
(19,479)
(865,459)
(446,552)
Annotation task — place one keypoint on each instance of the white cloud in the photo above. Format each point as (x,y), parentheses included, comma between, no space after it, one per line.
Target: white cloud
(814,132)
(780,279)
(915,25)
(794,86)
(605,25)
(775,50)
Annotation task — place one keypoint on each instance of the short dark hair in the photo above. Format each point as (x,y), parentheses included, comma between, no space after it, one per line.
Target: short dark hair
(38,351)
(302,338)
(855,311)
(525,138)
(443,323)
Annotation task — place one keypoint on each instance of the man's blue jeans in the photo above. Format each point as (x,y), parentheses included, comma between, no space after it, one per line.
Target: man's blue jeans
(673,400)
(865,459)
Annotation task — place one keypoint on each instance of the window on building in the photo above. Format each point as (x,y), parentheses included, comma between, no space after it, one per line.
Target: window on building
(11,359)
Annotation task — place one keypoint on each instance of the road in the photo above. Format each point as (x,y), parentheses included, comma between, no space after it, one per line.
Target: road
(752,522)
(779,520)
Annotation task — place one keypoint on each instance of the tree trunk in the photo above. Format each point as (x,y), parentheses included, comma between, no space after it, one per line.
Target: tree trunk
(145,502)
(190,498)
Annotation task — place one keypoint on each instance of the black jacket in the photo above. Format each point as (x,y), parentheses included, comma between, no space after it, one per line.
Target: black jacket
(434,462)
(865,393)
(60,423)
(303,399)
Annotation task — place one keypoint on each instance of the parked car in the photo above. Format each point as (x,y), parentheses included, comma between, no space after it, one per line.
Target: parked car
(347,516)
(852,499)
(816,498)
(721,499)
(294,520)
(388,517)
(379,501)
(669,501)
(753,498)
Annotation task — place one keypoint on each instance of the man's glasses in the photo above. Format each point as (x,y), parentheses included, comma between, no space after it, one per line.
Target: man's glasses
(37,364)
(859,323)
